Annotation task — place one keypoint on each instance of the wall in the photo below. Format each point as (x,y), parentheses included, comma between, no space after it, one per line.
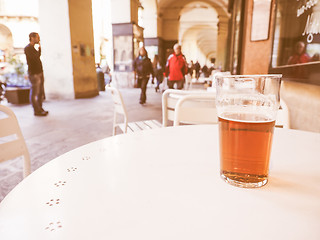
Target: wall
(121,11)
(84,73)
(256,55)
(170,24)
(303,101)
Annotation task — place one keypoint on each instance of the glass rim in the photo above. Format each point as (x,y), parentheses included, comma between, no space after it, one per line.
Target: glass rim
(252,75)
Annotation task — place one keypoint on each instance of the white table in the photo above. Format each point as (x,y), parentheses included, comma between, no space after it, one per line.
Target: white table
(127,187)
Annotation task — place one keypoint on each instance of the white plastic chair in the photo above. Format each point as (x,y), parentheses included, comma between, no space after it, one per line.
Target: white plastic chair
(120,109)
(283,117)
(12,143)
(196,109)
(169,100)
(188,82)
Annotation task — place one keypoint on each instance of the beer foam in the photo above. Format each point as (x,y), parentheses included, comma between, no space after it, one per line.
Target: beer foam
(248,117)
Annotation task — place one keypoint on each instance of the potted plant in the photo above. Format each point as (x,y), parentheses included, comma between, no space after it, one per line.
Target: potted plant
(18,86)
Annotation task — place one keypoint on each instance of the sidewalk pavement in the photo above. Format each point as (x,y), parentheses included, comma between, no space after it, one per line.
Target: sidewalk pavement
(71,124)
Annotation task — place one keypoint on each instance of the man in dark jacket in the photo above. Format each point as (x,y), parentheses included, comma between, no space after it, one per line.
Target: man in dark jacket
(35,72)
(142,69)
(176,68)
(197,69)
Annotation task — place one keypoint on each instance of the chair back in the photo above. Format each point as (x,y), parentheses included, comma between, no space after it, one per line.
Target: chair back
(119,106)
(283,117)
(196,109)
(12,143)
(169,100)
(119,109)
(188,82)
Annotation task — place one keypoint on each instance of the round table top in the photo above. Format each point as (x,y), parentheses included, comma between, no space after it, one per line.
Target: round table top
(165,184)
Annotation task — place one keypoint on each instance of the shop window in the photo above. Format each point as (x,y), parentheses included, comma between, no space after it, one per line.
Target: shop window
(296,38)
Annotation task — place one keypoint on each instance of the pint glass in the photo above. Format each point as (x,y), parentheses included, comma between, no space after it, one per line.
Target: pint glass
(247,106)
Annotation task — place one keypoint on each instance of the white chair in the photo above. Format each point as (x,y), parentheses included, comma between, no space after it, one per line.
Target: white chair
(196,109)
(163,85)
(188,82)
(169,100)
(12,143)
(120,109)
(283,118)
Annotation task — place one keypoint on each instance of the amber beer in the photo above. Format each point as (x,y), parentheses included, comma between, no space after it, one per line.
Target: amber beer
(245,144)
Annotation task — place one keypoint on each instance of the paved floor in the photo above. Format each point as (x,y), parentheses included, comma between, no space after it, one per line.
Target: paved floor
(70,124)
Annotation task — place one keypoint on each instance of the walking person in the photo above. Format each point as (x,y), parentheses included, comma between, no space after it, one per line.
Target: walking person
(158,71)
(197,68)
(176,68)
(191,68)
(142,70)
(35,72)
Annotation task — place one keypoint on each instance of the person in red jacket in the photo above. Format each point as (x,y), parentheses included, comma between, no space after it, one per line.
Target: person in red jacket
(299,55)
(176,68)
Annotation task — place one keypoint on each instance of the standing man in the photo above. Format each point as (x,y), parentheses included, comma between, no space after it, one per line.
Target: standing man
(176,68)
(35,72)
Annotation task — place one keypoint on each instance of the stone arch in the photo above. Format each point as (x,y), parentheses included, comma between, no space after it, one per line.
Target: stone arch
(171,12)
(197,13)
(6,40)
(198,41)
(174,6)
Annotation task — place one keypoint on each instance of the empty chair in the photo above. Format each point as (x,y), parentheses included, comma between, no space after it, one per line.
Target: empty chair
(12,143)
(169,100)
(120,109)
(283,118)
(188,82)
(196,109)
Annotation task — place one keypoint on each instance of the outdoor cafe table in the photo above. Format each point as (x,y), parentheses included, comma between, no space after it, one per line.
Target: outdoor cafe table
(165,184)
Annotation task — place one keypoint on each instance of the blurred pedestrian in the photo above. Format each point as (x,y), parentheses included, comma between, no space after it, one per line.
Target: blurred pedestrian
(176,68)
(212,68)
(197,68)
(35,72)
(191,68)
(142,70)
(158,71)
(205,71)
(299,55)
(100,78)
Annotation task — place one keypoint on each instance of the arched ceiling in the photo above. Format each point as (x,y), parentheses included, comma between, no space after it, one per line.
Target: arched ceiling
(6,41)
(205,38)
(221,6)
(198,30)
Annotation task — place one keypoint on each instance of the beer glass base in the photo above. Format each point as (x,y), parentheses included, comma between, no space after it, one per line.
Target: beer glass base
(244,180)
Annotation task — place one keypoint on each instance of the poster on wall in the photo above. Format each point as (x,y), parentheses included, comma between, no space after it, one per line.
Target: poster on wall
(122,53)
(260,20)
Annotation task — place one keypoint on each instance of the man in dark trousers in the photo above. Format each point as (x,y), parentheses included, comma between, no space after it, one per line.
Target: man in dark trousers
(176,68)
(35,72)
(197,67)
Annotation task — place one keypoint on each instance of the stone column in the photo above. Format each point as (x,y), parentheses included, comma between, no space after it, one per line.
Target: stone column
(68,48)
(150,24)
(222,41)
